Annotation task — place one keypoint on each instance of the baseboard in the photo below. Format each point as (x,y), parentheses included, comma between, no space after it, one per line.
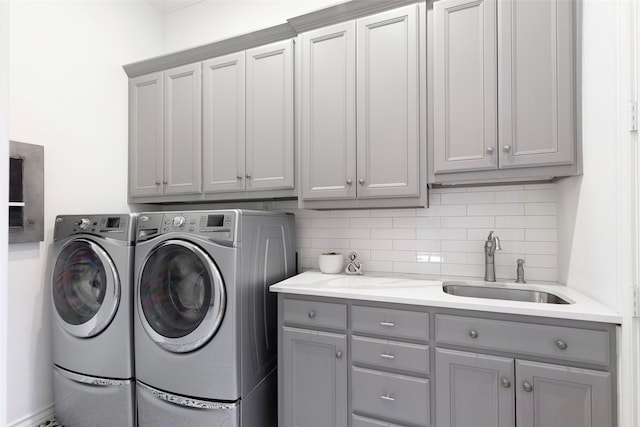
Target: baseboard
(34,420)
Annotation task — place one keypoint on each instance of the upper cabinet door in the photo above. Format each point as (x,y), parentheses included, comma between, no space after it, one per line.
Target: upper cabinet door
(465,88)
(183,139)
(223,125)
(328,113)
(145,135)
(552,395)
(269,138)
(536,84)
(388,104)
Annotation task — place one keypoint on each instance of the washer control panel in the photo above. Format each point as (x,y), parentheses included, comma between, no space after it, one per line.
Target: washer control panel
(119,226)
(214,225)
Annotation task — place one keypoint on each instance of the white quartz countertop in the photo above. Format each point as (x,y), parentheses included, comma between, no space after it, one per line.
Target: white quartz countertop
(428,292)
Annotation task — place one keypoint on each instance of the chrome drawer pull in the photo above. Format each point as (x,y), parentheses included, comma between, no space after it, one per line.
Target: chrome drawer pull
(339,355)
(388,398)
(506,383)
(388,324)
(387,356)
(312,314)
(561,345)
(527,387)
(473,334)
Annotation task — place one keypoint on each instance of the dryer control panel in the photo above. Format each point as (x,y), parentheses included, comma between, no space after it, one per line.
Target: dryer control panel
(214,225)
(118,226)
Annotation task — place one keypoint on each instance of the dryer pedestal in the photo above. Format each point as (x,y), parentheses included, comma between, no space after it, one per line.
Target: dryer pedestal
(111,400)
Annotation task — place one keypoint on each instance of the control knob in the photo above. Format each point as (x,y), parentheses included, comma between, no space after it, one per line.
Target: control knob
(179,221)
(84,223)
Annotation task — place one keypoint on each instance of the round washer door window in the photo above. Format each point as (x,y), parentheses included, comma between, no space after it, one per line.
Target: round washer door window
(181,296)
(85,288)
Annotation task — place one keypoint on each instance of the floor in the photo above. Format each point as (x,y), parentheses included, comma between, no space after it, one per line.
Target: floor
(50,423)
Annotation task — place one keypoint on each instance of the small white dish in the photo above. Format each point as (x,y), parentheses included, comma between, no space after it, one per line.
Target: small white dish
(331,262)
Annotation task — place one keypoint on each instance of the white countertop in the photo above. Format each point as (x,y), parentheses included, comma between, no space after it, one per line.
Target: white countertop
(429,292)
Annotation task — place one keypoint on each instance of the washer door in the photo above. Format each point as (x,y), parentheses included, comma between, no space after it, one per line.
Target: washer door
(181,296)
(85,288)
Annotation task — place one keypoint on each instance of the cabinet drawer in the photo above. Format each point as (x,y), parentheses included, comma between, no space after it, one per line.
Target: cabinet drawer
(314,313)
(394,323)
(581,345)
(357,421)
(398,397)
(390,354)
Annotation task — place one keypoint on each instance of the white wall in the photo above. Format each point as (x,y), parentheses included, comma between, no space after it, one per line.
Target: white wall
(68,93)
(4,195)
(214,20)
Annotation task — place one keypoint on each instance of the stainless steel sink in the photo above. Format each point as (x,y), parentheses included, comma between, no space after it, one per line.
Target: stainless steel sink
(464,289)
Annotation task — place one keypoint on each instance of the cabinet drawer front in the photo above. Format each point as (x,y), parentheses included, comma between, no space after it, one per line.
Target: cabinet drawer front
(390,354)
(394,323)
(314,313)
(575,344)
(357,421)
(399,397)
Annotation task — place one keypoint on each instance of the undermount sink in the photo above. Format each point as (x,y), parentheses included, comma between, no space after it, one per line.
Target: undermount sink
(465,289)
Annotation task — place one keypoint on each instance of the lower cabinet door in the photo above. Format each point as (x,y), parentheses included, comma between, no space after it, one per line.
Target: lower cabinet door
(474,390)
(553,395)
(313,391)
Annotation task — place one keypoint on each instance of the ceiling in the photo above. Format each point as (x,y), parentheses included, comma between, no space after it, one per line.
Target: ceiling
(166,6)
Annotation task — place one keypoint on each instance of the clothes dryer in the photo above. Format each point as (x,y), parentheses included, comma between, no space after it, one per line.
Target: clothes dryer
(91,275)
(205,323)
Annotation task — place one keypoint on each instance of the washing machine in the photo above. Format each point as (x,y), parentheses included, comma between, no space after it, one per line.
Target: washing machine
(205,323)
(91,275)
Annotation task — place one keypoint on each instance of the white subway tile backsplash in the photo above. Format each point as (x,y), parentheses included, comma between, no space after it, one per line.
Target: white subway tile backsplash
(393,233)
(467,222)
(548,208)
(467,198)
(416,245)
(445,239)
(371,222)
(502,209)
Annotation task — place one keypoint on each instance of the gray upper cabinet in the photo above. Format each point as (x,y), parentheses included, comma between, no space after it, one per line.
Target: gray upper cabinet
(360,112)
(182,130)
(146,128)
(504,90)
(549,395)
(314,371)
(465,90)
(474,390)
(269,147)
(165,136)
(328,113)
(223,132)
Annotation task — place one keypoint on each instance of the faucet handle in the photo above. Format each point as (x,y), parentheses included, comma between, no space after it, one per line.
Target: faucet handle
(495,239)
(498,248)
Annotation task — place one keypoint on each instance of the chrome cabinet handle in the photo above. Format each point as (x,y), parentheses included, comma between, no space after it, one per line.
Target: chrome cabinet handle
(505,383)
(158,183)
(506,148)
(388,324)
(349,182)
(312,314)
(489,150)
(165,182)
(387,356)
(338,355)
(562,345)
(473,333)
(361,181)
(239,177)
(527,387)
(248,176)
(388,398)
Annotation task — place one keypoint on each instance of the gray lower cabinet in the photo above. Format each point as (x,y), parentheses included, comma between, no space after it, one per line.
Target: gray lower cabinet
(504,90)
(474,390)
(313,391)
(367,364)
(361,110)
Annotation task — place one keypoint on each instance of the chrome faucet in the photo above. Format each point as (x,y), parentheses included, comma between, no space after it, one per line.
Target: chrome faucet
(491,245)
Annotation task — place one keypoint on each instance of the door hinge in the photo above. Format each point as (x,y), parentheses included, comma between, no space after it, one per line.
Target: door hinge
(633,116)
(635,301)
